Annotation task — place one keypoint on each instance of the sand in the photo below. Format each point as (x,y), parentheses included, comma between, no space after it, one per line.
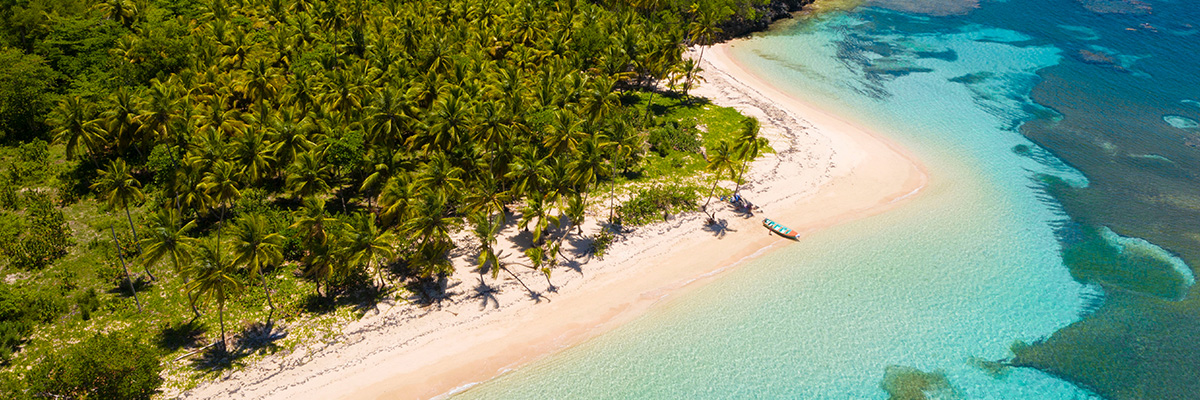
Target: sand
(826,170)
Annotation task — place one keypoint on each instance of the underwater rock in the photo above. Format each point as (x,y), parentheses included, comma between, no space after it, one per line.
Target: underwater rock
(908,383)
(1181,122)
(995,369)
(930,7)
(1080,32)
(1134,7)
(1098,58)
(1097,254)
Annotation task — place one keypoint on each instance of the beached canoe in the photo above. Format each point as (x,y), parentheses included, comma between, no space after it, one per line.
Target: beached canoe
(780,229)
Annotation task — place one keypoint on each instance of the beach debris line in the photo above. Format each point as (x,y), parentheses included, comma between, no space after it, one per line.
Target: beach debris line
(779,229)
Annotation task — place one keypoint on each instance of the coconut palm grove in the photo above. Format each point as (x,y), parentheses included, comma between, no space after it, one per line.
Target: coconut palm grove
(185,182)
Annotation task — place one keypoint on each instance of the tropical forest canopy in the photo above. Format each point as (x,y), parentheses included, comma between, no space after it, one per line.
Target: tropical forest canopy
(224,139)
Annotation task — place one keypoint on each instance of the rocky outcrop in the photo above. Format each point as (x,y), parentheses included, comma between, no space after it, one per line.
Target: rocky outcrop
(763,16)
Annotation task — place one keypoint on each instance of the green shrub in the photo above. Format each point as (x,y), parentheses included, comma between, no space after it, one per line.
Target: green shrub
(656,204)
(30,164)
(163,163)
(600,243)
(112,366)
(20,310)
(15,321)
(45,305)
(253,201)
(44,239)
(673,137)
(9,200)
(87,303)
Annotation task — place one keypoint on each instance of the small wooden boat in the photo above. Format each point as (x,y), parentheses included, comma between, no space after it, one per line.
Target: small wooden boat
(780,229)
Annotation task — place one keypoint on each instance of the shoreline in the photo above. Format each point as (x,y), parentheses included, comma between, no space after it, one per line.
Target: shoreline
(826,171)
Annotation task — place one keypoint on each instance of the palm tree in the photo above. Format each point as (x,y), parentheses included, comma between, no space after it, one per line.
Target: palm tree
(312,220)
(394,200)
(690,71)
(74,127)
(429,219)
(159,113)
(367,243)
(166,238)
(565,133)
(703,28)
(221,184)
(439,173)
(720,162)
(622,148)
(216,279)
(322,263)
(453,119)
(190,191)
(120,118)
(289,135)
(128,278)
(486,229)
(260,81)
(255,154)
(257,248)
(309,175)
(217,118)
(748,148)
(118,188)
(125,11)
(388,118)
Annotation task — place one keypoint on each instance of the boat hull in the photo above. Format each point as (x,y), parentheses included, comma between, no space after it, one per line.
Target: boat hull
(779,229)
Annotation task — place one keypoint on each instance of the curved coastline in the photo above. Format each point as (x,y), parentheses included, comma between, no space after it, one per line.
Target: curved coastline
(827,170)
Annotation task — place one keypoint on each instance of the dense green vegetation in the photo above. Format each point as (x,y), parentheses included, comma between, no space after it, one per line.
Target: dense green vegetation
(179,171)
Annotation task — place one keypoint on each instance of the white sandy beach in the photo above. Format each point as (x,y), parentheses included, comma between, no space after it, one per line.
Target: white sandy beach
(826,170)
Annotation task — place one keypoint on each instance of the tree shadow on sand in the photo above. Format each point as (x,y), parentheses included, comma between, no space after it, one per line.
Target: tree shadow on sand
(253,339)
(719,228)
(181,335)
(433,290)
(121,287)
(359,291)
(486,294)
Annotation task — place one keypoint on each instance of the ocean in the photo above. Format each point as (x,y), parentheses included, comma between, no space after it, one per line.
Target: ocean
(1050,257)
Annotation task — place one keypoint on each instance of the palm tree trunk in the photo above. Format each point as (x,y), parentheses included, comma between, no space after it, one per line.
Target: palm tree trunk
(378,273)
(649,104)
(737,185)
(220,227)
(128,278)
(92,155)
(221,318)
(191,298)
(612,199)
(710,195)
(549,285)
(531,292)
(269,301)
(136,241)
(688,84)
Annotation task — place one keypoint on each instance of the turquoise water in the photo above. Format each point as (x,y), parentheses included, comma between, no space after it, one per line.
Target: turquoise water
(958,274)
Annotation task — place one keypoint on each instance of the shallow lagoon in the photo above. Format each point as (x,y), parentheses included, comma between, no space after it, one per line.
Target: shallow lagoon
(968,268)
